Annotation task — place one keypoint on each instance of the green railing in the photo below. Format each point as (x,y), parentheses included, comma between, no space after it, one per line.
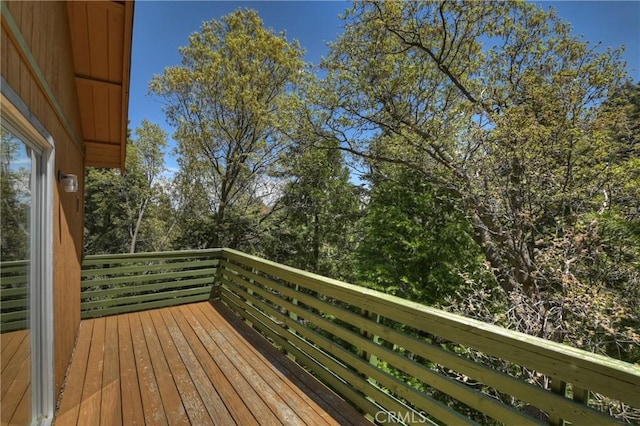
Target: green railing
(115,284)
(14,295)
(400,361)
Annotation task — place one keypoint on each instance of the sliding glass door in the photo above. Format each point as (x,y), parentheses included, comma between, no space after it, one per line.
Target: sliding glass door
(16,212)
(25,379)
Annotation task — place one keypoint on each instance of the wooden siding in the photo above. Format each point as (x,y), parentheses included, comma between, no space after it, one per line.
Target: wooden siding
(37,64)
(193,364)
(102,79)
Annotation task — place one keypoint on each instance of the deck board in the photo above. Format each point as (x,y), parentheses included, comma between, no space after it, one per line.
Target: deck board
(192,364)
(15,407)
(227,376)
(67,412)
(168,392)
(258,378)
(149,392)
(214,405)
(92,389)
(131,401)
(111,407)
(193,405)
(240,412)
(10,342)
(273,390)
(14,356)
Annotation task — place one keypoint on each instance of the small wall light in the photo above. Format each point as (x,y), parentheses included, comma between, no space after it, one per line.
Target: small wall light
(69,182)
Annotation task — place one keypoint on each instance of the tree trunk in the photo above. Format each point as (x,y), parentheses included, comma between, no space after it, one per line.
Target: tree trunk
(316,242)
(134,237)
(513,267)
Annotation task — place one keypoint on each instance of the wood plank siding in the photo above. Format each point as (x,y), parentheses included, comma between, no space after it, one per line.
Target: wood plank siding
(37,65)
(102,80)
(44,78)
(191,364)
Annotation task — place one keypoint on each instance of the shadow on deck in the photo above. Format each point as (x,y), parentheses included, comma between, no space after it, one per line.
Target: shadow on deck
(191,364)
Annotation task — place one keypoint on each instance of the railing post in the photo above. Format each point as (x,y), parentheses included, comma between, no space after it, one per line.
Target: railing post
(249,292)
(559,387)
(371,358)
(293,315)
(252,281)
(217,281)
(581,395)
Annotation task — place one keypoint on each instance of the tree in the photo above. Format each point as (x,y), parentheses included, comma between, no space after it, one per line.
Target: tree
(224,100)
(15,200)
(145,163)
(130,212)
(497,103)
(417,243)
(106,218)
(318,211)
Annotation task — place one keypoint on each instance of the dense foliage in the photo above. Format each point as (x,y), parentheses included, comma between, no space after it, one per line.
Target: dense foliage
(502,157)
(417,242)
(132,211)
(15,198)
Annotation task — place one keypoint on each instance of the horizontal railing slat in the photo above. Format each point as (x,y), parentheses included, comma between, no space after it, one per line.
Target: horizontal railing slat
(14,267)
(17,279)
(12,304)
(14,316)
(144,268)
(101,259)
(208,272)
(120,301)
(15,292)
(6,327)
(14,263)
(206,281)
(144,306)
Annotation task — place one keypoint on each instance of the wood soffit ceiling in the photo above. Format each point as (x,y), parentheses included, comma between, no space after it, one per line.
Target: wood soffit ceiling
(101,36)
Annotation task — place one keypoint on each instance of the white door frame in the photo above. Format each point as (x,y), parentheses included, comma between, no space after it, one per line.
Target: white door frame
(17,118)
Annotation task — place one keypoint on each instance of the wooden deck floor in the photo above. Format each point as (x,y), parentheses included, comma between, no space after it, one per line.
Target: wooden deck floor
(15,379)
(192,364)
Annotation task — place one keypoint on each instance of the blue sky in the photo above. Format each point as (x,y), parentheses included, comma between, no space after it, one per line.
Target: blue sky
(161,27)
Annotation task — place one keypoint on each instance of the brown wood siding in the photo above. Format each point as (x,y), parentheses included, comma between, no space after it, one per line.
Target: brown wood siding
(102,78)
(45,29)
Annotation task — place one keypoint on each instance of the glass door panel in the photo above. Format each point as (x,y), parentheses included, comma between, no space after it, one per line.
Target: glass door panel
(17,195)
